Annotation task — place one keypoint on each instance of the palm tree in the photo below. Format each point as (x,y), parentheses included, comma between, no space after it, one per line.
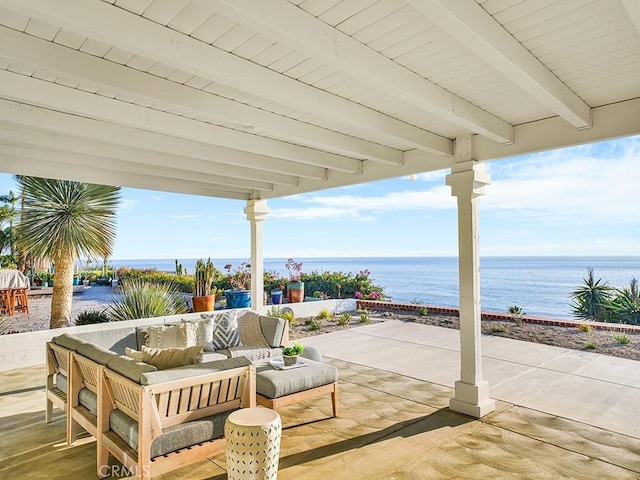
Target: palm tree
(63,220)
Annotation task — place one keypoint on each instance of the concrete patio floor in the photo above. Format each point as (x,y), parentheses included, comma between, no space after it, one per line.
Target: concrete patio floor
(560,414)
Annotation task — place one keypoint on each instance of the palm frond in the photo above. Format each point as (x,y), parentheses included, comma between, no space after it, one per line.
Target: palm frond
(61,216)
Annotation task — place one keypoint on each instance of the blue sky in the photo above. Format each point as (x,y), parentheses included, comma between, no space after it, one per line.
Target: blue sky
(576,201)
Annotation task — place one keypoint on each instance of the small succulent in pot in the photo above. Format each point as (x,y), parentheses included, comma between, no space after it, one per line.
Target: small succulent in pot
(290,354)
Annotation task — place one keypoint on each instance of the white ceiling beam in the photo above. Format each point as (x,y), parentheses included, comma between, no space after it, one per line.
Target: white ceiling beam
(40,54)
(633,10)
(621,119)
(292,26)
(64,99)
(12,134)
(134,168)
(133,33)
(476,30)
(45,169)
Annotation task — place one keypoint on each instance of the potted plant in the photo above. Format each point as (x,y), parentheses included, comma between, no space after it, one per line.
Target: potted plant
(295,287)
(203,299)
(239,296)
(276,295)
(290,354)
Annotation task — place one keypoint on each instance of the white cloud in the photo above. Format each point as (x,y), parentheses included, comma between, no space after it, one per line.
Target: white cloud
(364,208)
(155,197)
(581,189)
(127,204)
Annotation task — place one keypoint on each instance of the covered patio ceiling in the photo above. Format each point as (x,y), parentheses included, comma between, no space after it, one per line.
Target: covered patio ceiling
(253,99)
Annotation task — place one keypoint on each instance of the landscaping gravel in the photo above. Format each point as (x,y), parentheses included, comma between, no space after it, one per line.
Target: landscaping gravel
(602,341)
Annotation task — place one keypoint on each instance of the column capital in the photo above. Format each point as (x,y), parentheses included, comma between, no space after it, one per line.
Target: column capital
(468,178)
(256,210)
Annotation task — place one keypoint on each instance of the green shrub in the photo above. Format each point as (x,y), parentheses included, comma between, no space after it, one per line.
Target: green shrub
(314,324)
(288,316)
(360,311)
(181,283)
(344,319)
(622,338)
(325,314)
(89,317)
(423,311)
(590,346)
(364,318)
(146,300)
(295,349)
(498,329)
(583,327)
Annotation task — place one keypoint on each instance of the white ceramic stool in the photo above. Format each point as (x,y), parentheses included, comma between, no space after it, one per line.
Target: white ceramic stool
(253,444)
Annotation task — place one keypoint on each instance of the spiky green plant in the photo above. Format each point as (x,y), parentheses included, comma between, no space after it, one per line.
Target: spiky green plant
(325,314)
(622,338)
(625,306)
(590,301)
(203,278)
(146,300)
(89,317)
(63,220)
(344,319)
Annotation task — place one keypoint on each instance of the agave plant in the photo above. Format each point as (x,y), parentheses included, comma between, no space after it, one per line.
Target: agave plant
(591,300)
(625,306)
(146,300)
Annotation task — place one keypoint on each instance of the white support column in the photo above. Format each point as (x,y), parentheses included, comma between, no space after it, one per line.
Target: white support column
(256,212)
(467,181)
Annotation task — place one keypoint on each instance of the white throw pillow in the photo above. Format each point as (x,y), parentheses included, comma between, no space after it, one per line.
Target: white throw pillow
(202,332)
(169,336)
(225,330)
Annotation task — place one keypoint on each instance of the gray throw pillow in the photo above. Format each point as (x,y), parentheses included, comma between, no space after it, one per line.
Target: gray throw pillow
(225,330)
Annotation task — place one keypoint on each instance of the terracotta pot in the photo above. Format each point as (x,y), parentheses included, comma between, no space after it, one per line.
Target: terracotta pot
(295,292)
(204,304)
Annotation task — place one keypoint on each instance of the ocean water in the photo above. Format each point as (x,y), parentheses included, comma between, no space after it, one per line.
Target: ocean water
(539,285)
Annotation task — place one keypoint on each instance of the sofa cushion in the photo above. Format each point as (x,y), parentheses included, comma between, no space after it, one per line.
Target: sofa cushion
(273,329)
(173,438)
(168,336)
(202,332)
(225,330)
(129,368)
(88,400)
(274,383)
(164,358)
(61,382)
(96,353)
(70,342)
(152,378)
(115,339)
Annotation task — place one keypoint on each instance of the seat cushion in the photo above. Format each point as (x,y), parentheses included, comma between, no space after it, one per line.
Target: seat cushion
(70,342)
(88,400)
(273,383)
(129,368)
(188,371)
(61,382)
(173,438)
(96,353)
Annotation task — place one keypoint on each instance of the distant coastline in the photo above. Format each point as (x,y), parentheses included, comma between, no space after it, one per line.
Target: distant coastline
(539,285)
